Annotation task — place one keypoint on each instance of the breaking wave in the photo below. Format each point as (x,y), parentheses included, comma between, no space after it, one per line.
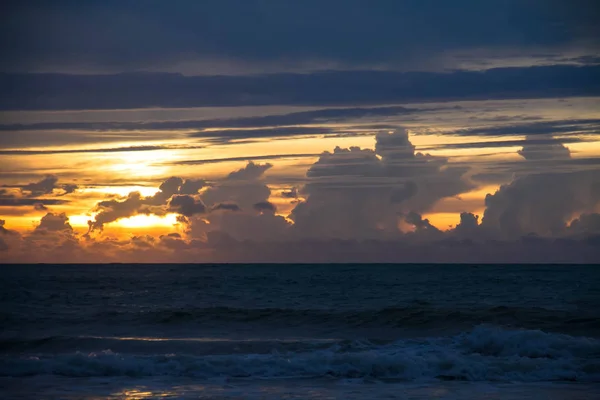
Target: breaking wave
(486,353)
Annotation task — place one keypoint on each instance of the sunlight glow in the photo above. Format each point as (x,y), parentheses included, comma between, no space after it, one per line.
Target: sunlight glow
(122,190)
(146,221)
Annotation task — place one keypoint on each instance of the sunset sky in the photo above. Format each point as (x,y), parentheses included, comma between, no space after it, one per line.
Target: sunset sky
(252,131)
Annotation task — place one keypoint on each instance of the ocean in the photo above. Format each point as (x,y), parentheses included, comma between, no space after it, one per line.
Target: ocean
(300,332)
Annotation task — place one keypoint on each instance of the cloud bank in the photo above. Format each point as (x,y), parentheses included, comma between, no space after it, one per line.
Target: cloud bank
(357,205)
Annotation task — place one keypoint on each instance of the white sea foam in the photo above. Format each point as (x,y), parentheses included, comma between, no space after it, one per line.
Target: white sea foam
(484,354)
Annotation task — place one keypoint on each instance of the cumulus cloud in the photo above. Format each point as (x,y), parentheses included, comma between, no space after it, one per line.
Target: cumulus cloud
(551,150)
(359,193)
(112,210)
(175,194)
(233,201)
(186,205)
(541,203)
(357,205)
(243,187)
(468,227)
(5,231)
(54,223)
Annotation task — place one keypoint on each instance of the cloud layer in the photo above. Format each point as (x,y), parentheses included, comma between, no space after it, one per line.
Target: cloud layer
(135,90)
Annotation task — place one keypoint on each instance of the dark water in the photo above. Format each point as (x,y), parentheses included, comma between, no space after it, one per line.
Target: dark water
(292,331)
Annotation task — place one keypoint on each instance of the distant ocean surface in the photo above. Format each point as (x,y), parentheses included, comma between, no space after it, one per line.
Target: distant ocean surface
(299,332)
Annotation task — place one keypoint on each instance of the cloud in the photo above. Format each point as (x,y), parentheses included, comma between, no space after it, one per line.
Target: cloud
(420,223)
(40,207)
(267,122)
(192,186)
(46,186)
(265,206)
(225,207)
(541,203)
(243,195)
(553,149)
(177,193)
(54,223)
(21,202)
(329,88)
(186,205)
(98,150)
(112,210)
(586,224)
(290,194)
(359,193)
(468,227)
(531,140)
(573,126)
(309,35)
(242,187)
(5,231)
(248,158)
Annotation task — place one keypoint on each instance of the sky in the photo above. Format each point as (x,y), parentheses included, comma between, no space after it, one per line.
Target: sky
(286,131)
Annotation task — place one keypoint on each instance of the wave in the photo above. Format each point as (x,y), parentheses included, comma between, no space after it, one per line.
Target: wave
(485,353)
(416,316)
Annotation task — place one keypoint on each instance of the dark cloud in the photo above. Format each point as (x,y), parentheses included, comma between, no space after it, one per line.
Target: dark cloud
(225,207)
(294,118)
(249,158)
(192,186)
(468,227)
(224,33)
(5,194)
(98,150)
(38,92)
(419,222)
(186,205)
(251,171)
(442,250)
(574,126)
(174,191)
(585,224)
(265,206)
(543,144)
(290,194)
(54,223)
(552,149)
(46,186)
(112,210)
(40,207)
(27,202)
(5,231)
(224,136)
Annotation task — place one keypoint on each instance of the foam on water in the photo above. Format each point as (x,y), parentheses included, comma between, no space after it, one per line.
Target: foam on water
(486,353)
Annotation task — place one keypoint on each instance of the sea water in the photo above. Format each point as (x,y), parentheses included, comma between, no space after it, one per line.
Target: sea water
(300,331)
